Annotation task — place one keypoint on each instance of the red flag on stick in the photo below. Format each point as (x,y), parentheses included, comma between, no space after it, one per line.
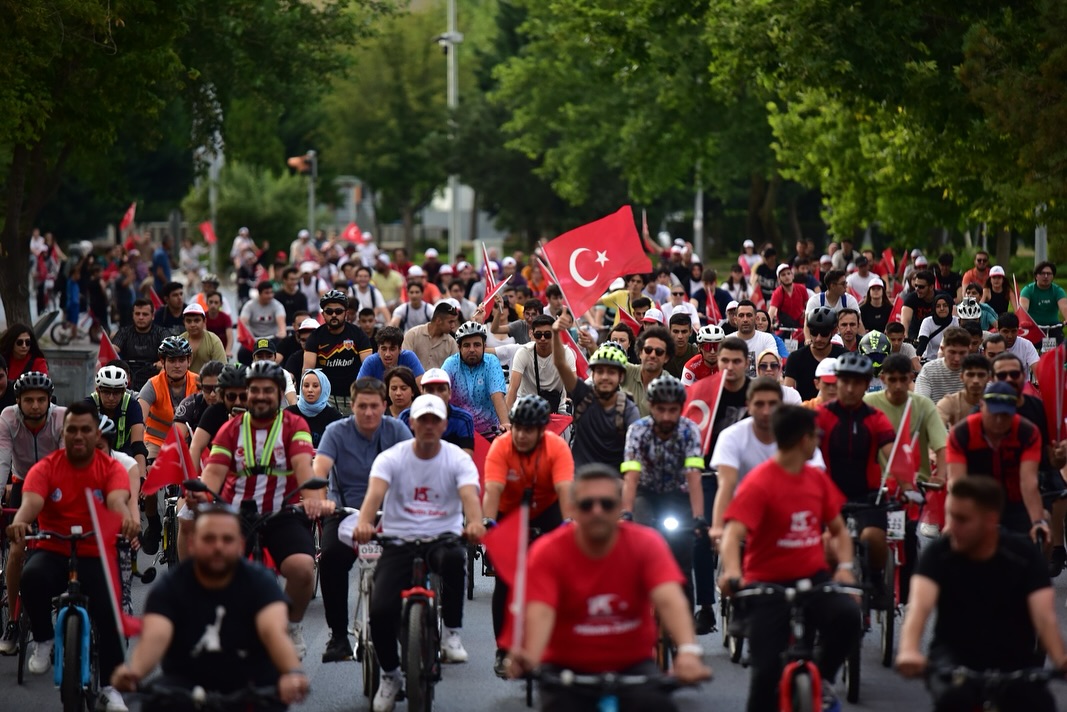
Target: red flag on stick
(352,233)
(208,231)
(493,291)
(156,301)
(107,352)
(481,451)
(1052,380)
(244,336)
(898,306)
(506,546)
(127,218)
(173,466)
(702,404)
(889,261)
(627,318)
(902,463)
(758,299)
(581,365)
(106,528)
(490,280)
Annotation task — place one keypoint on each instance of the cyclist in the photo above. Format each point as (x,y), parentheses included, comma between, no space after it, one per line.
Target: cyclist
(527,458)
(1044,300)
(1016,607)
(114,400)
(662,469)
(183,623)
(192,408)
(53,495)
(592,591)
(706,362)
(460,428)
(800,367)
(780,513)
(414,475)
(975,373)
(876,347)
(138,343)
(205,345)
(266,350)
(478,384)
(344,456)
(29,431)
(337,348)
(853,433)
(940,377)
(261,458)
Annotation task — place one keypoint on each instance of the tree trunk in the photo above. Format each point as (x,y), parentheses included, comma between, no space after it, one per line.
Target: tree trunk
(1004,246)
(474,217)
(408,216)
(753,226)
(768,224)
(794,218)
(14,248)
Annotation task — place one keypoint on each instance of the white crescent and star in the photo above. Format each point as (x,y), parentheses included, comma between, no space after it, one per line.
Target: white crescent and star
(601,258)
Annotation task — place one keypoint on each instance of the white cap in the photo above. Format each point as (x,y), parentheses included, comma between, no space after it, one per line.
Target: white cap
(679,242)
(748,243)
(415,271)
(436,375)
(616,283)
(784,265)
(243,231)
(462,265)
(826,258)
(653,315)
(383,258)
(367,237)
(851,267)
(430,253)
(876,282)
(309,266)
(836,339)
(731,305)
(921,261)
(194,309)
(449,301)
(308,323)
(683,308)
(827,370)
(302,234)
(916,252)
(509,262)
(427,404)
(996,271)
(676,250)
(445,269)
(694,258)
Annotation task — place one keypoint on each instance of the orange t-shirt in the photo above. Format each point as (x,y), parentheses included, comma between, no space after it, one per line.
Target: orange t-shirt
(63,488)
(549,464)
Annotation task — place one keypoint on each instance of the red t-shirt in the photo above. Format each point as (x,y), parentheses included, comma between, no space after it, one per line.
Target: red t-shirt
(695,370)
(604,619)
(63,488)
(785,514)
(791,305)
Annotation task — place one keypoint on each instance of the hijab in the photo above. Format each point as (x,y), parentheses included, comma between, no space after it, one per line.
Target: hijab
(312,409)
(946,320)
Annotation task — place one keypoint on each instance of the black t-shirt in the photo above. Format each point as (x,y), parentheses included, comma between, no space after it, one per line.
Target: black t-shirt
(213,419)
(289,346)
(1034,410)
(801,368)
(920,310)
(190,411)
(875,318)
(173,325)
(215,643)
(317,424)
(597,435)
(8,396)
(767,279)
(982,617)
(294,364)
(293,303)
(948,283)
(141,351)
(732,407)
(339,355)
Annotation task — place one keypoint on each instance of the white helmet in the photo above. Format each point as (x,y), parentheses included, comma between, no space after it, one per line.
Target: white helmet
(969,309)
(471,328)
(111,377)
(710,334)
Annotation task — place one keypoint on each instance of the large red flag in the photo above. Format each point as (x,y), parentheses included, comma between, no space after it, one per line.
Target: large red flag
(502,546)
(173,466)
(888,261)
(208,231)
(714,315)
(352,233)
(490,280)
(107,352)
(481,451)
(127,218)
(156,301)
(902,462)
(1028,328)
(757,298)
(106,528)
(1052,380)
(244,336)
(702,404)
(629,320)
(581,365)
(898,306)
(589,258)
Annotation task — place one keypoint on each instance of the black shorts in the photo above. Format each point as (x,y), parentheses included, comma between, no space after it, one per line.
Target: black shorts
(870,517)
(288,534)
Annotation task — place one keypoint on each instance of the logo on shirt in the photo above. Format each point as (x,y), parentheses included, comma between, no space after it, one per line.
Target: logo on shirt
(607,614)
(604,604)
(57,495)
(421,494)
(804,531)
(211,640)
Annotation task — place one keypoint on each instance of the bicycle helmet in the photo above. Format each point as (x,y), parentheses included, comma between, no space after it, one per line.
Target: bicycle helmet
(854,364)
(232,377)
(875,346)
(822,318)
(107,427)
(531,410)
(34,381)
(175,347)
(471,328)
(710,334)
(666,389)
(609,354)
(268,370)
(111,377)
(614,344)
(210,278)
(969,309)
(334,295)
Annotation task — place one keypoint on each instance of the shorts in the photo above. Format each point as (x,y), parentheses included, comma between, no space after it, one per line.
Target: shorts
(288,534)
(872,517)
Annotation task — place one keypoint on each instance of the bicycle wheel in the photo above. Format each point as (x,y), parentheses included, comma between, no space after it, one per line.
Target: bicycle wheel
(170,540)
(62,333)
(317,533)
(372,672)
(472,554)
(802,693)
(70,687)
(418,654)
(852,675)
(92,692)
(24,643)
(889,618)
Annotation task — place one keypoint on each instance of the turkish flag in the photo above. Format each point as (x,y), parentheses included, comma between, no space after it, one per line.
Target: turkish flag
(244,336)
(127,218)
(581,365)
(898,305)
(481,451)
(106,528)
(156,301)
(173,466)
(888,261)
(627,318)
(1028,328)
(702,403)
(557,423)
(587,260)
(352,233)
(490,281)
(1051,378)
(494,290)
(903,265)
(107,352)
(758,299)
(714,315)
(502,547)
(208,231)
(903,461)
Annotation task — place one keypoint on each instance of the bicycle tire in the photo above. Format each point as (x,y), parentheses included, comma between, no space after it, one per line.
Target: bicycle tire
(24,643)
(316,533)
(372,672)
(801,696)
(70,688)
(471,556)
(418,674)
(889,618)
(61,334)
(852,675)
(736,648)
(170,541)
(92,693)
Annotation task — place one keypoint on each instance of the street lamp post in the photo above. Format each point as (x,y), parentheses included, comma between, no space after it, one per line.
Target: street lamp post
(449,42)
(313,163)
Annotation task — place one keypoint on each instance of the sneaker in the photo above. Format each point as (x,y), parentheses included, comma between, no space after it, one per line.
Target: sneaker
(338,649)
(9,643)
(388,688)
(452,650)
(41,658)
(1056,563)
(830,703)
(150,536)
(113,700)
(500,669)
(296,634)
(705,620)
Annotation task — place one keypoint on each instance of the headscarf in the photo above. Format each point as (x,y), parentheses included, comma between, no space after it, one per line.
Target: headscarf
(945,320)
(312,409)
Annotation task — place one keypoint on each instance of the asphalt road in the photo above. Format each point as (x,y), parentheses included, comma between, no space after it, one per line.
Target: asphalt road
(337,687)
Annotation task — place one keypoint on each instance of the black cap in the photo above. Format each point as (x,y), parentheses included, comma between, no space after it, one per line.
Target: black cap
(264,345)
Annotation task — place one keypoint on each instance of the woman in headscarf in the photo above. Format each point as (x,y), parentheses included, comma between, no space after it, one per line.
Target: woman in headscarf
(769,363)
(313,403)
(933,327)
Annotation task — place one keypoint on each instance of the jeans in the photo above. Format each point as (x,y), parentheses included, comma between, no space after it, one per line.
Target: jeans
(335,563)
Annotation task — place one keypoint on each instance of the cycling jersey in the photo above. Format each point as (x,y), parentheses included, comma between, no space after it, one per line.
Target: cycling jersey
(850,442)
(967,445)
(541,470)
(473,388)
(20,447)
(695,369)
(662,464)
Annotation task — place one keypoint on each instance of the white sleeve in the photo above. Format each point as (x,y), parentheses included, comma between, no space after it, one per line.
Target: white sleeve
(382,467)
(464,467)
(727,448)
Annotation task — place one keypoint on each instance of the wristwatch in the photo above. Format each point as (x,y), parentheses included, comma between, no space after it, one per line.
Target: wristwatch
(849,566)
(691,648)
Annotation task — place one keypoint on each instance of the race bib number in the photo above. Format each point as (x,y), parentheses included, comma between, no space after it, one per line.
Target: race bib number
(895,527)
(371,551)
(1048,343)
(791,345)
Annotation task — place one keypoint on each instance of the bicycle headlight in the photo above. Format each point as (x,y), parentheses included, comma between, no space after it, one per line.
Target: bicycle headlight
(670,524)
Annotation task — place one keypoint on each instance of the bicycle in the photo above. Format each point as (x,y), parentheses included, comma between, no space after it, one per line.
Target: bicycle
(1049,342)
(992,685)
(12,616)
(671,527)
(174,698)
(168,551)
(87,327)
(367,556)
(605,687)
(801,682)
(791,343)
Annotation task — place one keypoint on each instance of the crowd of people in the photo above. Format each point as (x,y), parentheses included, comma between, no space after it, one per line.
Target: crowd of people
(344,362)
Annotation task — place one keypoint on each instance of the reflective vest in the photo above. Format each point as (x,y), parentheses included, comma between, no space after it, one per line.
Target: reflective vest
(160,416)
(122,432)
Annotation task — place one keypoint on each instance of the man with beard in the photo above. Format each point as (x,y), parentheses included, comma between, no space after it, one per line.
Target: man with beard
(184,615)
(533,369)
(170,316)
(289,296)
(757,341)
(337,348)
(655,348)
(433,343)
(138,344)
(478,383)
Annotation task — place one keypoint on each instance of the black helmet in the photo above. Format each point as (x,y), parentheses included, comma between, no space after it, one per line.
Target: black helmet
(334,295)
(822,318)
(232,377)
(531,410)
(851,363)
(175,347)
(34,381)
(666,389)
(268,370)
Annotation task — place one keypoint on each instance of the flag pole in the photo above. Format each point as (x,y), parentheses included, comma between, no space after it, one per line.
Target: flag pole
(893,452)
(552,274)
(98,535)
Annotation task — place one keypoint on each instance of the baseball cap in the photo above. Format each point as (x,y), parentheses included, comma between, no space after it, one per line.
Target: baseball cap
(430,253)
(876,282)
(781,267)
(445,269)
(436,375)
(309,266)
(731,305)
(836,339)
(427,404)
(308,323)
(264,345)
(694,259)
(916,252)
(193,309)
(367,237)
(996,271)
(243,231)
(653,315)
(415,271)
(450,302)
(303,234)
(509,262)
(921,261)
(748,243)
(383,258)
(1000,398)
(675,250)
(826,258)
(462,266)
(826,371)
(851,267)
(616,284)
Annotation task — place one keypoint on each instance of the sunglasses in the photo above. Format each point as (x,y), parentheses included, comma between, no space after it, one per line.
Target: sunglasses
(22,342)
(333,312)
(980,261)
(677,294)
(770,367)
(649,350)
(921,286)
(231,397)
(708,347)
(208,389)
(821,332)
(542,335)
(607,504)
(1006,375)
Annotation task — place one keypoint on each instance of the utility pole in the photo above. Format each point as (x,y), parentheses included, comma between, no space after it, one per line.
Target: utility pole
(313,161)
(449,42)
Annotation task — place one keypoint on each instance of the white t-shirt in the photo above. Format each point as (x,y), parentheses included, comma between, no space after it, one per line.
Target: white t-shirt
(127,462)
(791,396)
(522,365)
(423,498)
(1025,351)
(739,448)
(859,284)
(821,300)
(927,328)
(760,342)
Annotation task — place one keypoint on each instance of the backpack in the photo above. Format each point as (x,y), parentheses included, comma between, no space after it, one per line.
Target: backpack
(620,412)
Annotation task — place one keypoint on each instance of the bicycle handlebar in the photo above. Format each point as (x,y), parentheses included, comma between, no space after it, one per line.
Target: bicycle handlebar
(606,681)
(388,540)
(73,536)
(994,678)
(201,699)
(799,591)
